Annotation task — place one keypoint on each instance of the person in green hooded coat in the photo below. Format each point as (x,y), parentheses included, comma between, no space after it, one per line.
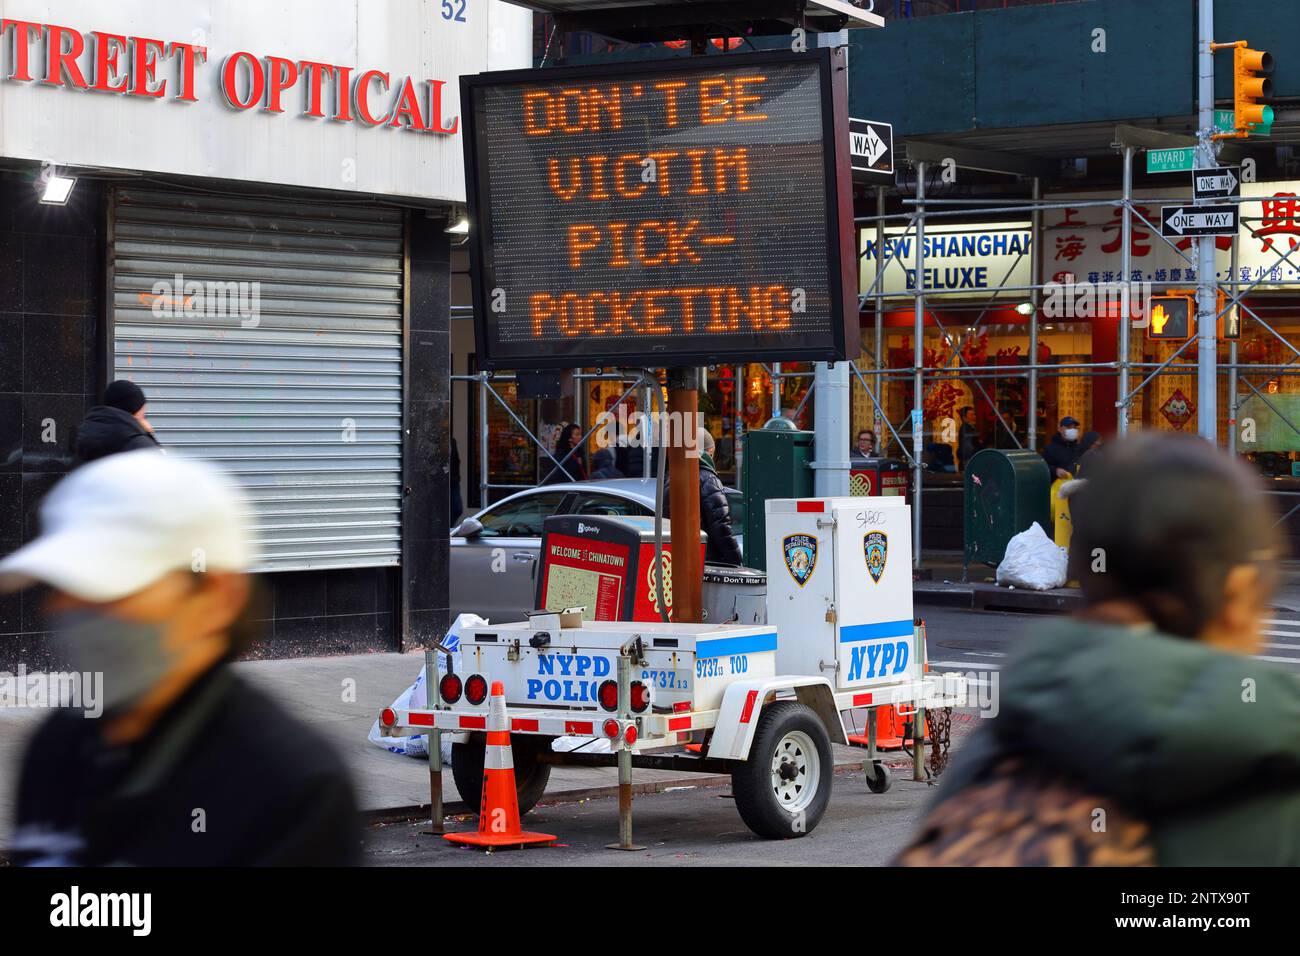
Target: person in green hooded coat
(1141,731)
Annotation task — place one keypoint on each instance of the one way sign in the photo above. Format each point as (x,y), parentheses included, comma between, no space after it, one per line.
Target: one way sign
(871,146)
(1179,221)
(1217,183)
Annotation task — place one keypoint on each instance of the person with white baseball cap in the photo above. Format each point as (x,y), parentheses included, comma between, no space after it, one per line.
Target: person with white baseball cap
(145,558)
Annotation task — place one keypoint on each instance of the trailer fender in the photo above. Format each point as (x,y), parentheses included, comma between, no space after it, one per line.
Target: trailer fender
(743,702)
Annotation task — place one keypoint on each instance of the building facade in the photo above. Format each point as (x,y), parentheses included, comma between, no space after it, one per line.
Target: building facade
(256,234)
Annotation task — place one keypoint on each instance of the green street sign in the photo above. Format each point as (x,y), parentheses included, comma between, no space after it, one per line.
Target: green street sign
(1225,122)
(1171,160)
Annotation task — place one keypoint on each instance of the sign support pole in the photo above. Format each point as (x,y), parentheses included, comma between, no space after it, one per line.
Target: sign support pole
(684,492)
(1207,411)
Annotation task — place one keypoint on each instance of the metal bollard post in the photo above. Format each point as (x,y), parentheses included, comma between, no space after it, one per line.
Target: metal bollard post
(624,760)
(431,678)
(918,712)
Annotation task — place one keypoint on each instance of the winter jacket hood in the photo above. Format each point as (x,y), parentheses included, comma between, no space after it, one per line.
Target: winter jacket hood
(1202,744)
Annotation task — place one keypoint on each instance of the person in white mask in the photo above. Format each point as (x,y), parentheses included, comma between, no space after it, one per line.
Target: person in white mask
(1063,451)
(179,763)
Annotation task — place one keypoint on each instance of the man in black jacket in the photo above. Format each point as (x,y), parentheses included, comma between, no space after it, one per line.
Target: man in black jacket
(168,757)
(117,425)
(715,510)
(1063,451)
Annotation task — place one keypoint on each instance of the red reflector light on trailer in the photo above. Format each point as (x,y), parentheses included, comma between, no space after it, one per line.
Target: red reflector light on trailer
(805,506)
(611,728)
(387,717)
(608,694)
(630,734)
(476,689)
(449,688)
(640,696)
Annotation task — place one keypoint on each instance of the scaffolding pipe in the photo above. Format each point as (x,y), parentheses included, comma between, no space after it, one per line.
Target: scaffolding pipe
(1035,279)
(918,359)
(1126,309)
(880,322)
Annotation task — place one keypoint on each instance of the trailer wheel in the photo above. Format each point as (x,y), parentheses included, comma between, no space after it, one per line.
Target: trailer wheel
(879,779)
(531,775)
(783,788)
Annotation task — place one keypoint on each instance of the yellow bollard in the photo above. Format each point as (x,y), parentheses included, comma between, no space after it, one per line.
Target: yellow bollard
(1061,524)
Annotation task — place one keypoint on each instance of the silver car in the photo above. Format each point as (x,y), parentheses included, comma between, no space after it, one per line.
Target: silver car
(511,531)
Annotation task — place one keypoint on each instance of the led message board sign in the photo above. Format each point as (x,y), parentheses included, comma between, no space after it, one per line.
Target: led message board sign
(679,212)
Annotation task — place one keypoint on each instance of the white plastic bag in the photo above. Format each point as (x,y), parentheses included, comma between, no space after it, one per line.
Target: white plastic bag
(416,696)
(1032,561)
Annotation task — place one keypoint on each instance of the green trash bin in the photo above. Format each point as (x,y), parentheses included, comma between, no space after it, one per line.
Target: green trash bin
(775,466)
(1006,492)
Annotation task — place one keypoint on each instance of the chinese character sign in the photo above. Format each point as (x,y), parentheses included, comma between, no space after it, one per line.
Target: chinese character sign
(662,211)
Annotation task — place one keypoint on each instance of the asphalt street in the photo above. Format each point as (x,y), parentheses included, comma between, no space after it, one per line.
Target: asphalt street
(982,640)
(693,826)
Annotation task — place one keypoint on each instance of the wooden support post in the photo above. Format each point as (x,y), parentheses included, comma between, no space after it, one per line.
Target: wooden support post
(684,493)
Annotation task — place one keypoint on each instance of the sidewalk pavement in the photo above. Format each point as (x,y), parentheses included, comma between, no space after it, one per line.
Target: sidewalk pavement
(340,697)
(942,586)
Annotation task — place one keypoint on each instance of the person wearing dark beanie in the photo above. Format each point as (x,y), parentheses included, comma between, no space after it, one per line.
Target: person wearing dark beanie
(117,425)
(124,394)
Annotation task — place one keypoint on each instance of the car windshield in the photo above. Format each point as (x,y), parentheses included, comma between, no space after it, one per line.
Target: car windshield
(522,517)
(602,504)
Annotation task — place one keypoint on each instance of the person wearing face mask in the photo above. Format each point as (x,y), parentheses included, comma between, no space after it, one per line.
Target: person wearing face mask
(180,763)
(1063,451)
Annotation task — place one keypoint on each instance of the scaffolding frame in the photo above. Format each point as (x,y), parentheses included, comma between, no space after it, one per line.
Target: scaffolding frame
(925,209)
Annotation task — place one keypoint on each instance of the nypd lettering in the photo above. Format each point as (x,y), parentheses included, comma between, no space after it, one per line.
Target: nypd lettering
(572,678)
(878,659)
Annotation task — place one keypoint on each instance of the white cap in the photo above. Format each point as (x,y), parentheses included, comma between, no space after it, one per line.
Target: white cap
(118,524)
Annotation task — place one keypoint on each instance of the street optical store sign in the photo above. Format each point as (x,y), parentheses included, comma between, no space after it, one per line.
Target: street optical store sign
(679,212)
(966,259)
(336,94)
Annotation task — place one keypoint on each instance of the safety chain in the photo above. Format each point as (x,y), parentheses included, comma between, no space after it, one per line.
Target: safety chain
(940,722)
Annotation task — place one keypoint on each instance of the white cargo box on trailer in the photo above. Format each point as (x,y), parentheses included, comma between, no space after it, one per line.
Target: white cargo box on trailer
(839,589)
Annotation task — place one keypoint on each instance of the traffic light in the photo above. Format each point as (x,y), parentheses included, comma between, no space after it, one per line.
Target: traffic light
(1229,325)
(1171,316)
(1251,86)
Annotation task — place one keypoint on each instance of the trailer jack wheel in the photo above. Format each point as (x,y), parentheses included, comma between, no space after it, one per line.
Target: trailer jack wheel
(783,788)
(879,779)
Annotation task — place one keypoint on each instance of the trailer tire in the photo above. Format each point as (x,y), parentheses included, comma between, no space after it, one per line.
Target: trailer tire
(783,789)
(531,775)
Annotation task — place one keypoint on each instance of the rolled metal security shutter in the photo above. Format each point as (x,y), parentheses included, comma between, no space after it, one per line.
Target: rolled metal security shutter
(267,336)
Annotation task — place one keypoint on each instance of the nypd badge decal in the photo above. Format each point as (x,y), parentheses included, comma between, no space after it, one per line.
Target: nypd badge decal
(875,548)
(800,552)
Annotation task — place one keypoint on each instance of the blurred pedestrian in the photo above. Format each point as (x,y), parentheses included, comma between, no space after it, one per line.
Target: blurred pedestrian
(118,425)
(186,765)
(1089,447)
(1063,451)
(573,468)
(968,437)
(1142,730)
(603,467)
(715,509)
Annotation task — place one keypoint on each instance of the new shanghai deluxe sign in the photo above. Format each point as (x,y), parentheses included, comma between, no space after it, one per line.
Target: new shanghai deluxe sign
(337,94)
(677,212)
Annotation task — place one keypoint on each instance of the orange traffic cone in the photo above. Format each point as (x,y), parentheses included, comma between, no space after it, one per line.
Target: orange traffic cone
(498,815)
(891,725)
